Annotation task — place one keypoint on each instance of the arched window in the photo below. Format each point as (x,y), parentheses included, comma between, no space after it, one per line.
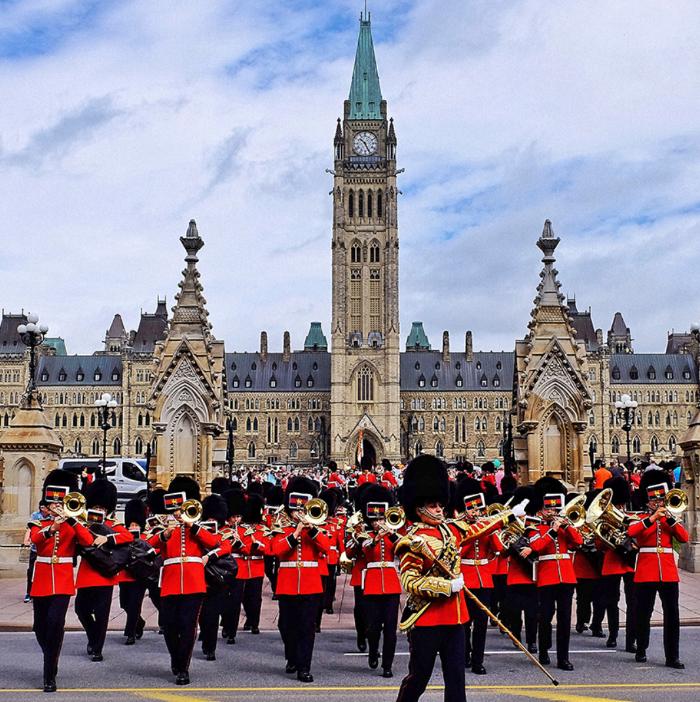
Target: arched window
(443,424)
(361,203)
(117,446)
(95,446)
(138,445)
(593,445)
(255,424)
(356,252)
(419,448)
(251,450)
(672,444)
(379,214)
(248,424)
(421,424)
(82,420)
(657,419)
(464,429)
(57,421)
(480,449)
(314,449)
(374,252)
(456,430)
(615,445)
(297,424)
(439,449)
(498,424)
(293,450)
(74,420)
(477,424)
(351,204)
(365,385)
(139,420)
(78,446)
(484,424)
(369,203)
(436,423)
(654,444)
(636,445)
(289,424)
(64,423)
(310,424)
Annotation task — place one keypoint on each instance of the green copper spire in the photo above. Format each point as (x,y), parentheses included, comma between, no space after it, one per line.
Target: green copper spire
(365,93)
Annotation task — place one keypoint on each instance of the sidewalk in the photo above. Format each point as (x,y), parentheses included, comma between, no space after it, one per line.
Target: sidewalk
(15,615)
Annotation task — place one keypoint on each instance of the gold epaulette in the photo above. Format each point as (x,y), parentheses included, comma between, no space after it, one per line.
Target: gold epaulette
(404,541)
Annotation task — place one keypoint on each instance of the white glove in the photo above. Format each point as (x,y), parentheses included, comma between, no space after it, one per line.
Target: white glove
(519,509)
(457,584)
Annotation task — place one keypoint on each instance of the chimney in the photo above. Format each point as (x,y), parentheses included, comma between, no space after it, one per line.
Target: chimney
(469,349)
(599,336)
(286,348)
(263,346)
(446,347)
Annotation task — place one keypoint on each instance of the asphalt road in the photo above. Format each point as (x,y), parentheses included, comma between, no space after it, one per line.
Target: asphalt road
(253,670)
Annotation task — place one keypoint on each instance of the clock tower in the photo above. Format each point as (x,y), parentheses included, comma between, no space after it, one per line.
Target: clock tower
(365,254)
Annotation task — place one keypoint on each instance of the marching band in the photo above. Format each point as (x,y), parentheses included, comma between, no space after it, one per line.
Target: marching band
(434,557)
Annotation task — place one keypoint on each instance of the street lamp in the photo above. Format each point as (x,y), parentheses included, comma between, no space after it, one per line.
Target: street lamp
(105,415)
(32,334)
(626,408)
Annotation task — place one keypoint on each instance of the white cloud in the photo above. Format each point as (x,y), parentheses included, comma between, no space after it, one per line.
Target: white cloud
(143,115)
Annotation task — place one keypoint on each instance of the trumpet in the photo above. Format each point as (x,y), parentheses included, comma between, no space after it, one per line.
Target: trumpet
(394,518)
(315,512)
(676,502)
(191,511)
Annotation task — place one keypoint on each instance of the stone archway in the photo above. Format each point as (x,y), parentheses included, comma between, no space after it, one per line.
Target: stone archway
(18,490)
(185,439)
(371,446)
(556,440)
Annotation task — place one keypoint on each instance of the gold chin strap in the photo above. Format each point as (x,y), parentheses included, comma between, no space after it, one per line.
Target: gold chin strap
(434,519)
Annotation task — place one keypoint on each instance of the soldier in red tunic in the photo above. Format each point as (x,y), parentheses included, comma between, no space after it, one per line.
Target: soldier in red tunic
(252,564)
(555,572)
(335,528)
(298,546)
(56,539)
(656,570)
(95,589)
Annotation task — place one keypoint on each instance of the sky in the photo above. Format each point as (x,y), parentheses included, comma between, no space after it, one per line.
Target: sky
(122,120)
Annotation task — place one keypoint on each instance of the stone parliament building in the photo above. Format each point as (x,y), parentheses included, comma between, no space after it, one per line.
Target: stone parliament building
(373,389)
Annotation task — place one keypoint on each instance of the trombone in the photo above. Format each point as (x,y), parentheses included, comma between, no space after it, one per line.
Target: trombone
(191,511)
(315,512)
(676,502)
(74,506)
(394,518)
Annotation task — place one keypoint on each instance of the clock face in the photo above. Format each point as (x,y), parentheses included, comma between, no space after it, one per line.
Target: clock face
(365,144)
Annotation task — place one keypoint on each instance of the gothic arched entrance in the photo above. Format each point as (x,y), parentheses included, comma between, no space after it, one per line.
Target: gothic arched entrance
(368,451)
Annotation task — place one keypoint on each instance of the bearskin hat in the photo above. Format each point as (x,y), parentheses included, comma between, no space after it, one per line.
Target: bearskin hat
(253,510)
(332,466)
(219,485)
(214,507)
(620,489)
(183,483)
(62,478)
(652,477)
(235,502)
(424,480)
(526,492)
(255,488)
(274,496)
(465,486)
(366,463)
(386,464)
(374,493)
(299,483)
(156,504)
(330,497)
(101,493)
(548,485)
(509,484)
(488,467)
(135,511)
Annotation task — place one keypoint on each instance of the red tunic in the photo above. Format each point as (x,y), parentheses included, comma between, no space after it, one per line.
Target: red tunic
(477,557)
(251,562)
(53,568)
(367,478)
(656,562)
(335,537)
(380,576)
(182,551)
(87,575)
(390,478)
(299,572)
(554,564)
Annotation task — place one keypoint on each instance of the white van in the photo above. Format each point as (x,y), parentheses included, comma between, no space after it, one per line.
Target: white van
(128,474)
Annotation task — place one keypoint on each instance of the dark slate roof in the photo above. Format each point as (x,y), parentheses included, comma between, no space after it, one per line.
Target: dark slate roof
(301,364)
(677,341)
(72,365)
(619,328)
(415,364)
(583,324)
(152,328)
(625,363)
(9,338)
(116,328)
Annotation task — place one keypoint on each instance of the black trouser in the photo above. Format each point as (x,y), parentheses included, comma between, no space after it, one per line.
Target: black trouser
(646,596)
(212,609)
(329,592)
(610,587)
(49,627)
(30,570)
(498,596)
(475,628)
(589,603)
(381,615)
(180,614)
(358,614)
(131,596)
(425,643)
(252,601)
(271,566)
(551,598)
(232,609)
(92,605)
(296,624)
(154,594)
(521,601)
(319,613)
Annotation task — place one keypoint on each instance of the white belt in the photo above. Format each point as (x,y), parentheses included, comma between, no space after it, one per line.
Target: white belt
(646,549)
(298,564)
(555,557)
(53,559)
(475,561)
(182,559)
(381,564)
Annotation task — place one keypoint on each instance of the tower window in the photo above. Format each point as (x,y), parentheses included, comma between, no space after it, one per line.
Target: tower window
(374,252)
(356,253)
(379,203)
(369,203)
(361,203)
(351,204)
(365,385)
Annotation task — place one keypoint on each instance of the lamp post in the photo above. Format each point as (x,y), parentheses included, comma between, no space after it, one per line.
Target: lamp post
(626,408)
(105,415)
(32,334)
(148,467)
(229,447)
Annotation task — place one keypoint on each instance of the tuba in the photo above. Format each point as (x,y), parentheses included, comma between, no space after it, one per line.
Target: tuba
(394,518)
(610,524)
(676,502)
(316,512)
(191,511)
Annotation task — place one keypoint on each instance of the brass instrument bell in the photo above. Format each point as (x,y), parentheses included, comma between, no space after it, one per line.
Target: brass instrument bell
(191,511)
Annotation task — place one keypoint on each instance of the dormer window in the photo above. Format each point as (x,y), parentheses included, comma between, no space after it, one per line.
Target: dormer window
(458,365)
(315,366)
(44,376)
(98,375)
(417,366)
(484,382)
(437,366)
(274,366)
(686,374)
(115,375)
(309,382)
(459,382)
(434,381)
(297,382)
(235,382)
(499,365)
(233,366)
(273,382)
(62,375)
(478,365)
(248,382)
(496,382)
(669,373)
(421,381)
(651,373)
(254,366)
(616,373)
(294,365)
(634,373)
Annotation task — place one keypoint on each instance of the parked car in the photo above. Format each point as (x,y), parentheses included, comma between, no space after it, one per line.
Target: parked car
(126,473)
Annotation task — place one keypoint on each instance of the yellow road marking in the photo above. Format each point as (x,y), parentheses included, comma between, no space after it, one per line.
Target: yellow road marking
(558,696)
(172,697)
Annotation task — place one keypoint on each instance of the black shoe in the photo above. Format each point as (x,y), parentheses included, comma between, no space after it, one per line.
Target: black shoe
(565,665)
(478,669)
(361,645)
(544,658)
(90,650)
(611,643)
(210,656)
(290,668)
(96,657)
(254,630)
(640,656)
(373,660)
(224,634)
(246,627)
(140,626)
(329,610)
(130,641)
(386,673)
(231,640)
(597,634)
(631,648)
(580,628)
(675,664)
(532,648)
(49,685)
(183,678)
(305,677)
(160,631)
